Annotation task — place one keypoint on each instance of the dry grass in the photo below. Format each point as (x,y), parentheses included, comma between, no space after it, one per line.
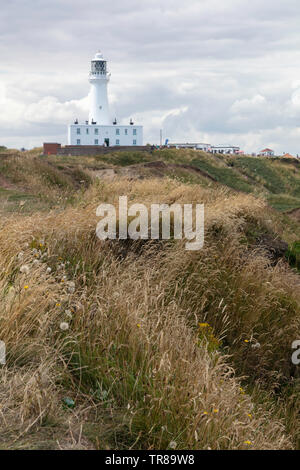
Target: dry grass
(30,183)
(140,370)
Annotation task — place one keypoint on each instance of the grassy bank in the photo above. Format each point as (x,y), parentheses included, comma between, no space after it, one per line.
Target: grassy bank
(147,346)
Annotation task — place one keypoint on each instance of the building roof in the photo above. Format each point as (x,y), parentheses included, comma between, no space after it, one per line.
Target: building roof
(288,155)
(189,143)
(98,56)
(266,150)
(225,147)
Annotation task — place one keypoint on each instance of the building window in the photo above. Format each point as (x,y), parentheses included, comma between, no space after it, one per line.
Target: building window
(134,142)
(96,141)
(126,131)
(78,141)
(87,130)
(78,130)
(134,131)
(97,131)
(117,142)
(117,131)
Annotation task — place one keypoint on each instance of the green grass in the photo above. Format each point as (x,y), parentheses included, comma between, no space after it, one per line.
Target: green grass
(293,255)
(261,172)
(283,202)
(226,176)
(126,158)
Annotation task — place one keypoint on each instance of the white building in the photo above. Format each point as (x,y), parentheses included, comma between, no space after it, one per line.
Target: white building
(225,149)
(100,129)
(195,146)
(266,153)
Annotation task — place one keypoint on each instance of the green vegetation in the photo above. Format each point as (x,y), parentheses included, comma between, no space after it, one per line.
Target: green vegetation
(118,345)
(226,176)
(293,254)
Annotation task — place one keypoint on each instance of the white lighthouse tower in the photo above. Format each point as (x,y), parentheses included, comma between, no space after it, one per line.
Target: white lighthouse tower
(99,78)
(100,129)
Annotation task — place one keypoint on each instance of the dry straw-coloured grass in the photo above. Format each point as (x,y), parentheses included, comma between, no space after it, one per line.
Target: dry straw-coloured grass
(140,370)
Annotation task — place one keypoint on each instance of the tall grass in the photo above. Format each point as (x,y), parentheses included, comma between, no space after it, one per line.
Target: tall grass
(158,340)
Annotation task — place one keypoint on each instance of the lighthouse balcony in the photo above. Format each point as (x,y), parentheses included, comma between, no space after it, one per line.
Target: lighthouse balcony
(99,75)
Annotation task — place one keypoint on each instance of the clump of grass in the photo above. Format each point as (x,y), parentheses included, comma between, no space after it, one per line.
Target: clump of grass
(33,183)
(293,255)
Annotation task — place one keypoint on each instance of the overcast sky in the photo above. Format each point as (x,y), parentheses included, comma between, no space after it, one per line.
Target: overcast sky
(216,71)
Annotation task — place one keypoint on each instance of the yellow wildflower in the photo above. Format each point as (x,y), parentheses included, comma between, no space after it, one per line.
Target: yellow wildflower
(138,325)
(249,443)
(26,287)
(203,325)
(216,410)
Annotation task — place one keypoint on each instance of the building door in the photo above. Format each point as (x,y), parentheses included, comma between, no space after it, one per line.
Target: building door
(106,142)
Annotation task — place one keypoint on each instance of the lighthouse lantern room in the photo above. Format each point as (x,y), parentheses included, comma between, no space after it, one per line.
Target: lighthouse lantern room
(100,129)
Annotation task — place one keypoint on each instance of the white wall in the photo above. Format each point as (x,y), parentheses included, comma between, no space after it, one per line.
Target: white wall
(225,150)
(99,111)
(105,132)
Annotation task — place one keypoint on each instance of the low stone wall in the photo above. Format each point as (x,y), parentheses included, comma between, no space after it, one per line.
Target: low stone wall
(51,148)
(79,150)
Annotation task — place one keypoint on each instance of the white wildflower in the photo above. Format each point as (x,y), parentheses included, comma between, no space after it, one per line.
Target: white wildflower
(20,255)
(255,345)
(173,445)
(68,313)
(71,287)
(64,326)
(24,269)
(48,270)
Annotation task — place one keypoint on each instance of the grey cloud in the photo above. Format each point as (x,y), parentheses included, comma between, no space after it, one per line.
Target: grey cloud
(192,67)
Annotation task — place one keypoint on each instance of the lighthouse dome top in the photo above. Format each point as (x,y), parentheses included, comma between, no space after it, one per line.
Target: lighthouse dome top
(98,56)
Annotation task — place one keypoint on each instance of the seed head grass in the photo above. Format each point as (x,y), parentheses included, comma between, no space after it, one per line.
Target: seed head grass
(153,348)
